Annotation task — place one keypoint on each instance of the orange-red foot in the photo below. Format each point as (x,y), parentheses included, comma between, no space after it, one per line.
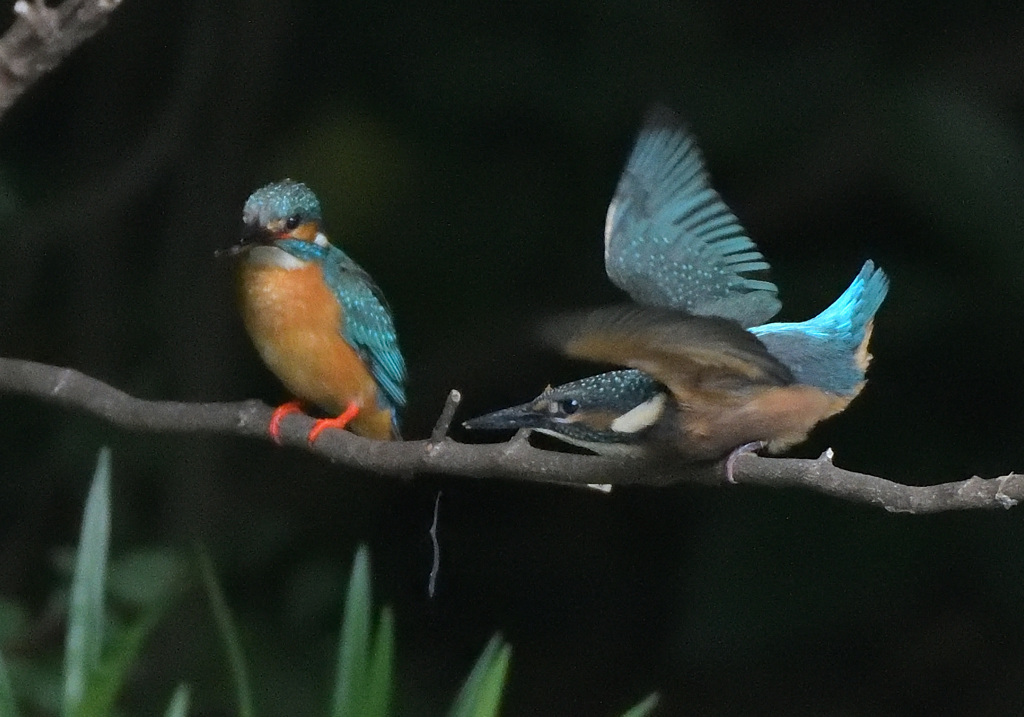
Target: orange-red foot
(280,412)
(350,412)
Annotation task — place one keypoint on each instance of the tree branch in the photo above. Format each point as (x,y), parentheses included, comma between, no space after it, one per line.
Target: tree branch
(514,460)
(43,37)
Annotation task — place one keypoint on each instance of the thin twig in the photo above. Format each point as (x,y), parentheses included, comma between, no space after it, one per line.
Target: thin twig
(514,460)
(444,421)
(435,565)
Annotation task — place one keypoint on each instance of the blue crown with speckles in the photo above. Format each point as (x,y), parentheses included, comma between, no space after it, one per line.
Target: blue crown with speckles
(280,200)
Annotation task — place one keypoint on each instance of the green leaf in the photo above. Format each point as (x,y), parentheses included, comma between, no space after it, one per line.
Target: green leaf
(84,640)
(178,706)
(480,695)
(643,708)
(107,679)
(13,619)
(350,676)
(40,684)
(379,676)
(8,707)
(228,634)
(145,577)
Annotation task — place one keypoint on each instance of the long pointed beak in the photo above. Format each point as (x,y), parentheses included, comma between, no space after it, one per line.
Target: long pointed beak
(252,235)
(507,419)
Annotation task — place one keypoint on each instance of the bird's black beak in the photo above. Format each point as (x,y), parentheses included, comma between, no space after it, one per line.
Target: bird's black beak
(507,419)
(252,235)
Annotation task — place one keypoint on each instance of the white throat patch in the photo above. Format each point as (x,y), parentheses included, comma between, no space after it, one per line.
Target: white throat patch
(621,450)
(274,256)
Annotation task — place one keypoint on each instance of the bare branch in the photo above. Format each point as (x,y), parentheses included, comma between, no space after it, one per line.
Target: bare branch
(444,421)
(514,460)
(42,37)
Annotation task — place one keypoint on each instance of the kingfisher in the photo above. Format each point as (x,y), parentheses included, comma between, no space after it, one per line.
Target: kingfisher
(317,319)
(708,377)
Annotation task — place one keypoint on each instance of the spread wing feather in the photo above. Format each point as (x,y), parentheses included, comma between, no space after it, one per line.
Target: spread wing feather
(670,240)
(689,354)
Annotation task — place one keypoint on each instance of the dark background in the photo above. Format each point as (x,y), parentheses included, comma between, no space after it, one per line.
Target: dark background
(465,154)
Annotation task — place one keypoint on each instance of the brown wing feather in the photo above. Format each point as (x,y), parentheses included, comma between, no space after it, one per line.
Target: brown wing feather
(691,355)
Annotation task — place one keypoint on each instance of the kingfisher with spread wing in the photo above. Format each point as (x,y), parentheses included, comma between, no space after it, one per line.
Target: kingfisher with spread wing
(706,375)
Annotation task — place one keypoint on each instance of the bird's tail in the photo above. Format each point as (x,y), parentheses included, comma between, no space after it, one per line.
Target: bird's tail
(850,316)
(830,351)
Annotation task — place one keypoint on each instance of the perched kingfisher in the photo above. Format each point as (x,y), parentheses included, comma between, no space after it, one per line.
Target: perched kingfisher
(708,377)
(317,319)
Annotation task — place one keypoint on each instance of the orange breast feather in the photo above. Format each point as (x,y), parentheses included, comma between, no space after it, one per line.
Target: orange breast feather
(295,323)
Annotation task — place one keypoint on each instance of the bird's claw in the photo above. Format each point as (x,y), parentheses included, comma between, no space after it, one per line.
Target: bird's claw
(279,413)
(350,412)
(730,462)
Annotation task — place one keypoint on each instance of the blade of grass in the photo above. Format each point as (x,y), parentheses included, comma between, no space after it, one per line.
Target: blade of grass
(8,707)
(380,673)
(178,706)
(228,634)
(350,676)
(480,695)
(643,708)
(109,676)
(84,640)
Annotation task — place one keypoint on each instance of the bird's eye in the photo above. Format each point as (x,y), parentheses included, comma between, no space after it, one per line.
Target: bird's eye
(292,222)
(569,406)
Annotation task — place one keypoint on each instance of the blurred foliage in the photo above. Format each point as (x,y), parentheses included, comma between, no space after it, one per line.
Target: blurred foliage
(97,660)
(465,154)
(101,647)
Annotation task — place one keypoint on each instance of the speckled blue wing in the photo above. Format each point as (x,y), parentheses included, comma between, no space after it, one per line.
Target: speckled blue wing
(670,240)
(369,327)
(830,351)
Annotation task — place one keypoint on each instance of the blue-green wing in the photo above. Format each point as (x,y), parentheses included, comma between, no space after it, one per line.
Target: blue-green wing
(670,240)
(369,327)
